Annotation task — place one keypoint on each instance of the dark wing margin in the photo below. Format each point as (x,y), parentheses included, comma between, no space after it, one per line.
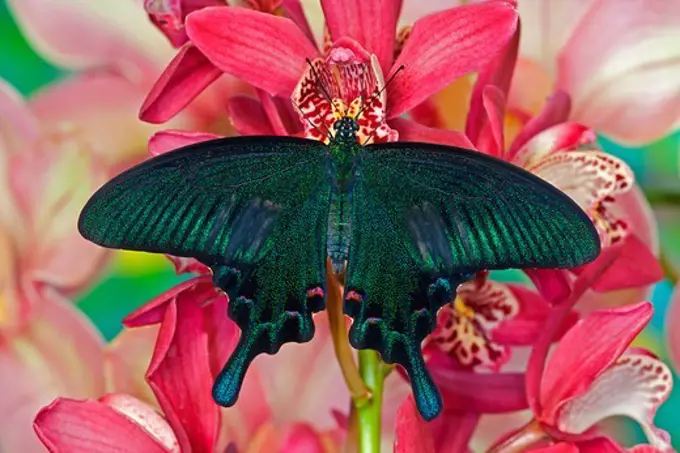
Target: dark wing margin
(425,218)
(254,209)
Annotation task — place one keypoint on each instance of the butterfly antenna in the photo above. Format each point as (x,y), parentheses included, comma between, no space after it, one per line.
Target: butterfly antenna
(370,137)
(400,68)
(319,82)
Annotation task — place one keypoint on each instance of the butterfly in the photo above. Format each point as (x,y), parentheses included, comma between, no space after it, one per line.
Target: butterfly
(406,223)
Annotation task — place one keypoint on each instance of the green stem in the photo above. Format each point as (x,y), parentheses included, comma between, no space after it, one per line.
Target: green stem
(369,414)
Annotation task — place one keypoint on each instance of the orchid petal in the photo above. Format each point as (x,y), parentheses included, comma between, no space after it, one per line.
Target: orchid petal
(588,177)
(302,438)
(635,267)
(145,416)
(622,81)
(56,31)
(412,432)
(634,386)
(497,73)
(18,126)
(490,136)
(58,353)
(248,116)
(586,356)
(248,45)
(503,392)
(180,374)
(169,140)
(525,327)
(410,131)
(552,284)
(672,328)
(562,447)
(187,75)
(185,265)
(91,427)
(296,397)
(50,185)
(296,13)
(445,46)
(555,111)
(153,311)
(600,445)
(169,16)
(560,137)
(126,360)
(270,109)
(372,24)
(96,107)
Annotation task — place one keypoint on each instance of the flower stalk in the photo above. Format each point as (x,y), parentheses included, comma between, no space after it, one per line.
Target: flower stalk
(369,414)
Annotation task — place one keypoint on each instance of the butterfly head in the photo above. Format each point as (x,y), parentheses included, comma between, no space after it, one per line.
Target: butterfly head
(346,129)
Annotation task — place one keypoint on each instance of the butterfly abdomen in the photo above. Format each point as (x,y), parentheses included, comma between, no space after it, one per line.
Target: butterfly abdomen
(339,225)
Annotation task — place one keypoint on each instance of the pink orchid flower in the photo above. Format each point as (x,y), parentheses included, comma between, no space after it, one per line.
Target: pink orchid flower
(46,175)
(485,321)
(278,409)
(249,45)
(613,58)
(58,352)
(563,153)
(116,66)
(605,379)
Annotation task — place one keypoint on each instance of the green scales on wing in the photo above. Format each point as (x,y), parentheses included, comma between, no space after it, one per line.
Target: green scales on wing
(417,220)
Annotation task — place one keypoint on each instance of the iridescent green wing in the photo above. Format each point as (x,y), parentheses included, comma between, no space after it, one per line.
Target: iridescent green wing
(424,219)
(254,209)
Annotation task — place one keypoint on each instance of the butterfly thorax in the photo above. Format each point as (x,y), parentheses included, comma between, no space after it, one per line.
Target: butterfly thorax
(344,148)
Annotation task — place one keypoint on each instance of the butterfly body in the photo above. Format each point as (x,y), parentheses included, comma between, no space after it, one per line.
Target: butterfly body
(408,222)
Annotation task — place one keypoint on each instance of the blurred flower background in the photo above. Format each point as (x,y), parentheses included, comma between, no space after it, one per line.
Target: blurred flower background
(74,75)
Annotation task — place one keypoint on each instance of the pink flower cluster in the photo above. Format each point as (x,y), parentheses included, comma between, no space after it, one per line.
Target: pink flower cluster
(543,363)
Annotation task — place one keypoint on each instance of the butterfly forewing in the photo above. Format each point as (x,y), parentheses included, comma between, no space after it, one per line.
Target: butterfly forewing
(425,218)
(254,209)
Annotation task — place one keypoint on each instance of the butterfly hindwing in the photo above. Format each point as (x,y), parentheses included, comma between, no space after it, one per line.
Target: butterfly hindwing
(424,219)
(253,209)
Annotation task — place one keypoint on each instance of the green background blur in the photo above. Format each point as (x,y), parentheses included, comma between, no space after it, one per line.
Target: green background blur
(134,278)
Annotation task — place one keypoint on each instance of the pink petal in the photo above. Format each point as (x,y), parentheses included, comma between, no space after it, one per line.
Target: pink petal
(264,50)
(586,356)
(412,432)
(91,427)
(188,265)
(410,131)
(290,394)
(162,142)
(126,360)
(557,448)
(153,311)
(555,111)
(169,16)
(445,46)
(296,13)
(497,73)
(525,327)
(145,416)
(187,75)
(180,373)
(635,266)
(453,430)
(271,110)
(561,137)
(619,80)
(57,30)
(18,121)
(97,107)
(490,137)
(503,392)
(634,386)
(302,438)
(248,116)
(552,284)
(599,445)
(672,328)
(372,24)
(58,353)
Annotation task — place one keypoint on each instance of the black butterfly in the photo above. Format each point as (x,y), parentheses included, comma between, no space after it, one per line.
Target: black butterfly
(408,222)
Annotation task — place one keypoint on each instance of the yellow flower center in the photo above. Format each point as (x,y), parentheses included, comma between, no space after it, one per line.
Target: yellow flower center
(464,310)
